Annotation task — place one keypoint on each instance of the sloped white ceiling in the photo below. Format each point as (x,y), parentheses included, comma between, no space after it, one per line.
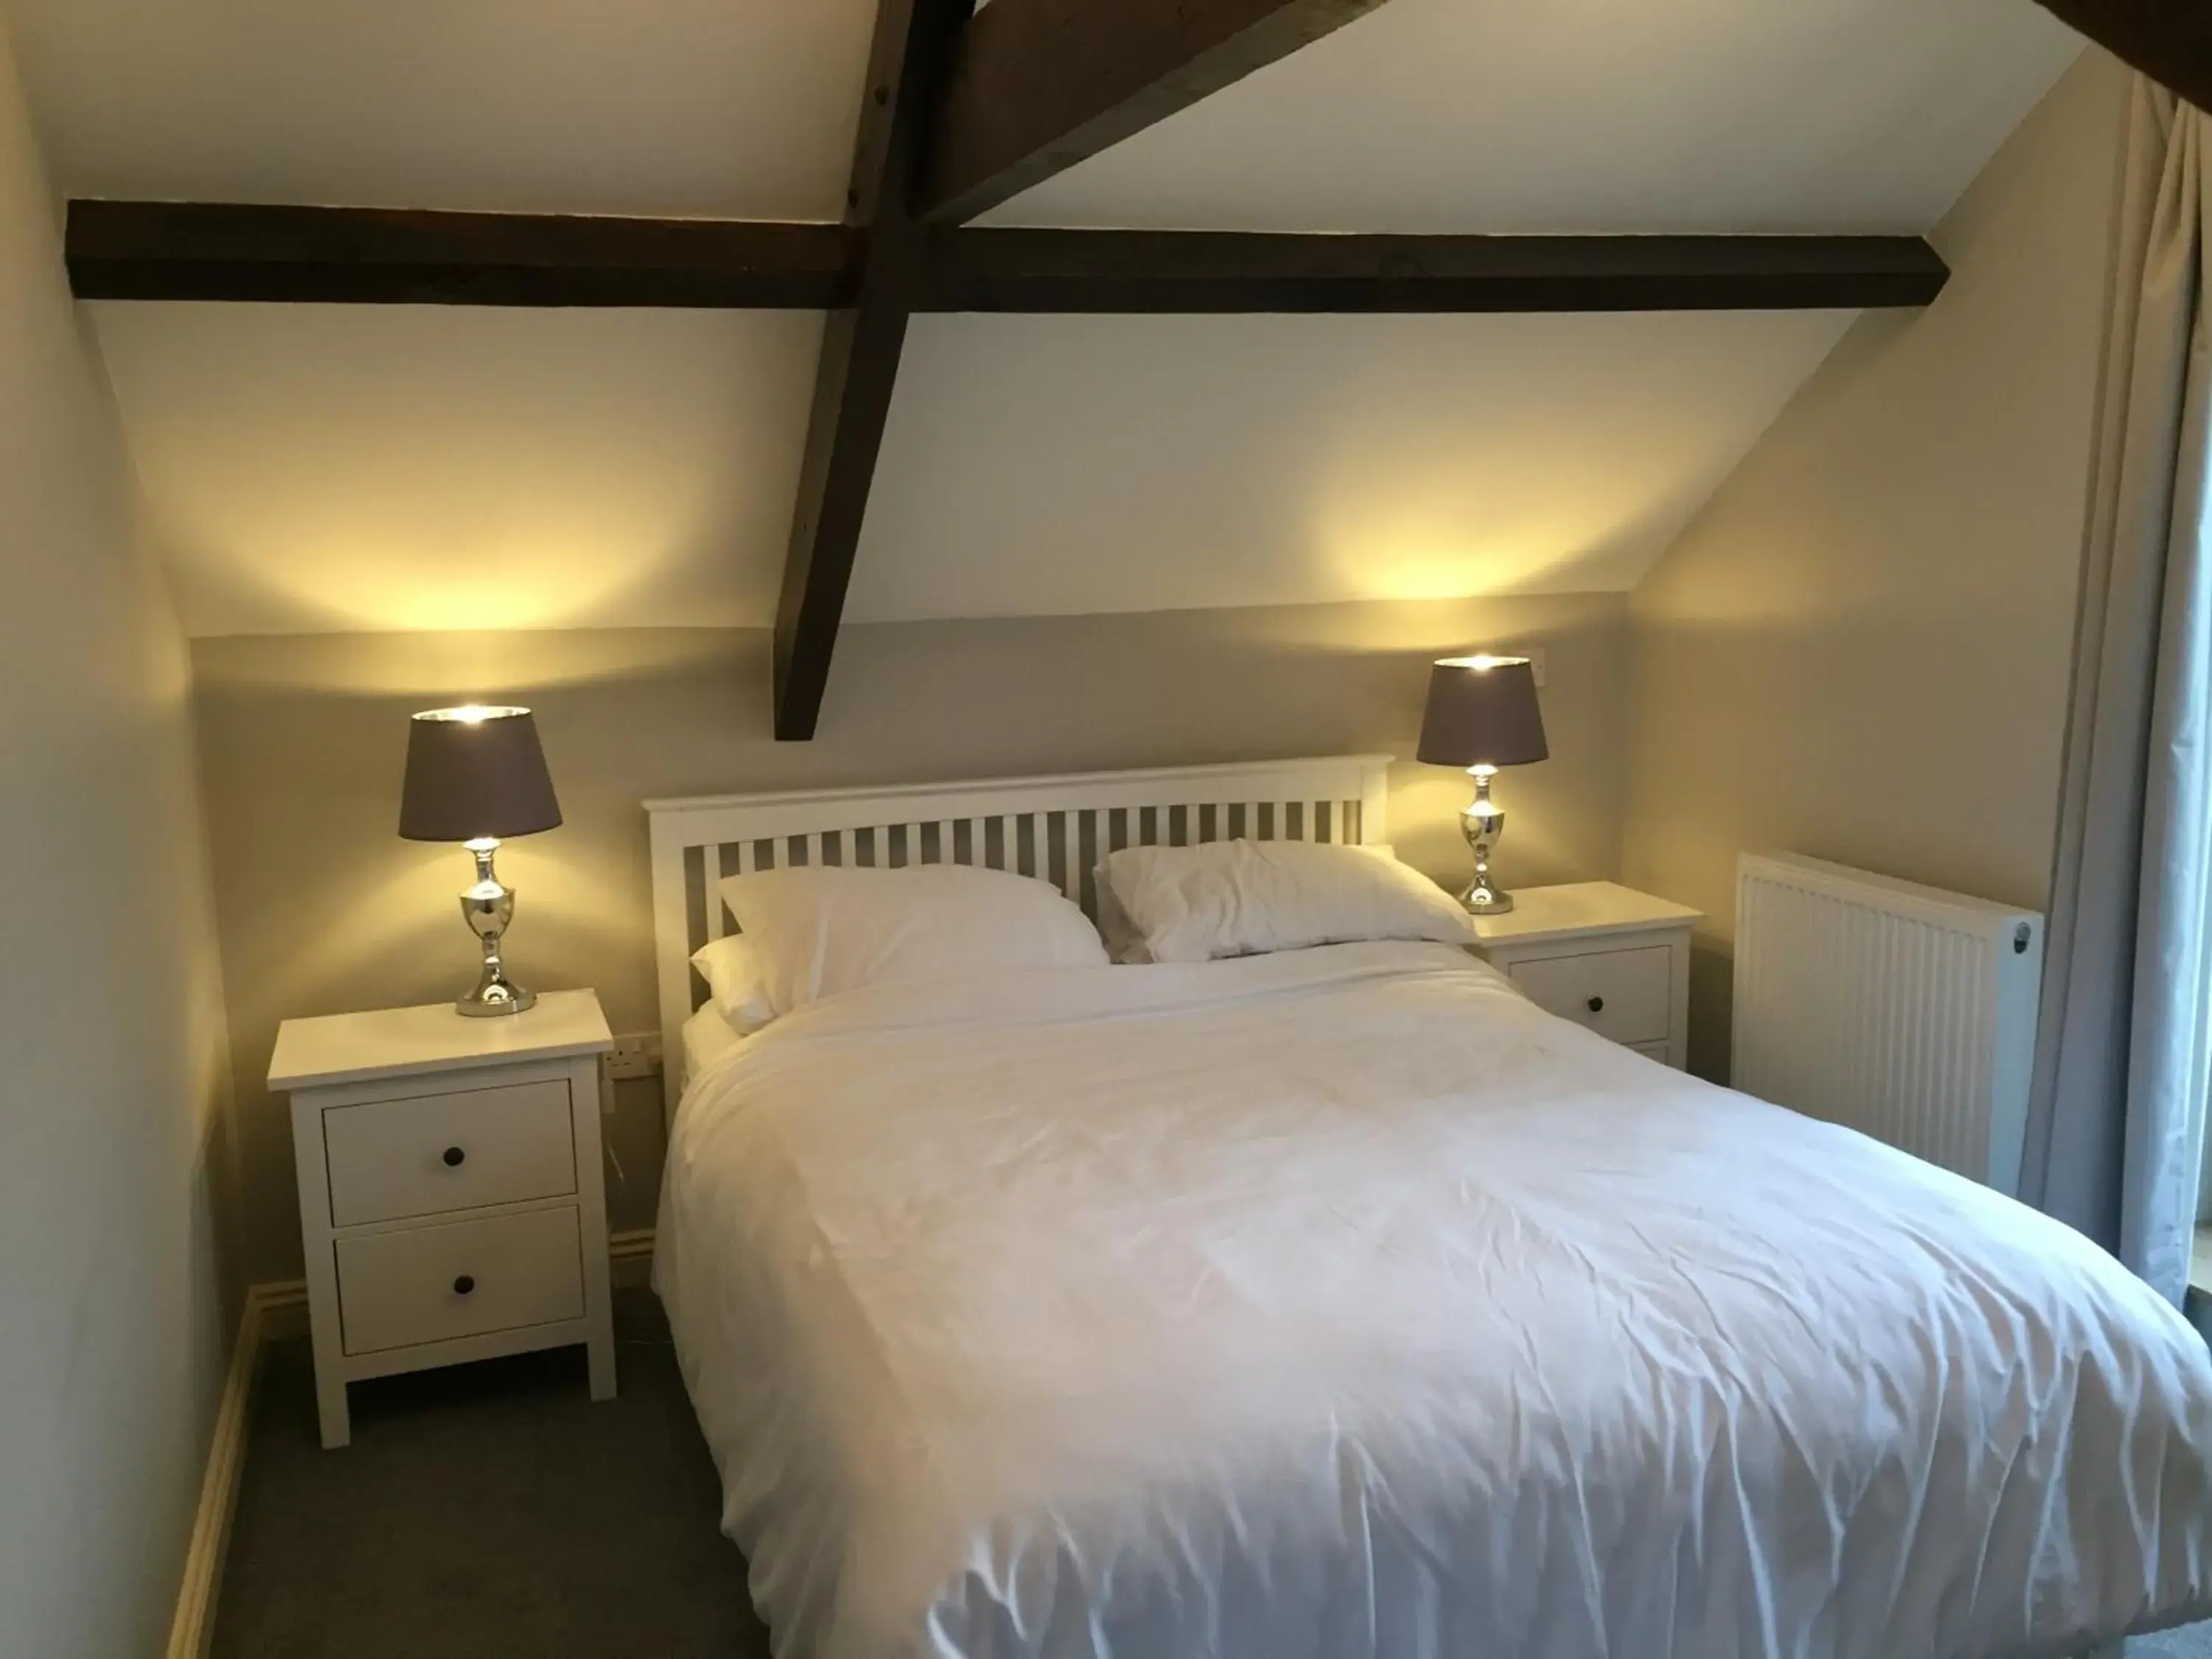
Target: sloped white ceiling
(1592,115)
(1045,466)
(738,108)
(1602,115)
(332,468)
(314,468)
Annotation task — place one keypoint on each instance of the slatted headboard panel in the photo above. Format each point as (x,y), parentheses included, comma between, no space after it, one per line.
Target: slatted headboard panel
(1056,827)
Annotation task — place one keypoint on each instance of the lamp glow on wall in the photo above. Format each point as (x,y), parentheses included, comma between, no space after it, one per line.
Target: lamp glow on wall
(477,776)
(1482,714)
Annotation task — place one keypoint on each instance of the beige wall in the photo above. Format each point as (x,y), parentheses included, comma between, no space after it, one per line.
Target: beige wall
(325,909)
(1860,649)
(112,1327)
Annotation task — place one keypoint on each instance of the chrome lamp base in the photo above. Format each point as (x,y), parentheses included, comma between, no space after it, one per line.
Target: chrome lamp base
(495,994)
(1484,824)
(1484,900)
(488,908)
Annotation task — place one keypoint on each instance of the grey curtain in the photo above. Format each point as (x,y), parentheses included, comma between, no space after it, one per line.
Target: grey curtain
(2116,1120)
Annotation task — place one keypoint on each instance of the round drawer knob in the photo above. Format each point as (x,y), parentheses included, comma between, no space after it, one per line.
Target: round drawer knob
(454,1157)
(464,1285)
(1597,1005)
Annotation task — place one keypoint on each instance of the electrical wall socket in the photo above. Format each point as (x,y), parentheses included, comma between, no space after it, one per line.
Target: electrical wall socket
(635,1055)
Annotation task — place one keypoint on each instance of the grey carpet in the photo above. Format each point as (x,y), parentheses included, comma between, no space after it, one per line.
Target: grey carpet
(493,1509)
(486,1510)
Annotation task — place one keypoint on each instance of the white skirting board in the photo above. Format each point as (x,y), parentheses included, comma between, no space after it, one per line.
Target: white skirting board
(273,1312)
(632,1253)
(266,1306)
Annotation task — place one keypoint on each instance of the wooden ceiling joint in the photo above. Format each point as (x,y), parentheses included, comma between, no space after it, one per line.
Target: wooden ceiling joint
(961,110)
(377,256)
(386,256)
(2169,41)
(1183,271)
(861,344)
(1036,86)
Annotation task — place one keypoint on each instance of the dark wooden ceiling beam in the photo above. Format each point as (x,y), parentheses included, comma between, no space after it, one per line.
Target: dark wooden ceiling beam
(185,251)
(2169,41)
(1036,86)
(1228,272)
(862,345)
(386,256)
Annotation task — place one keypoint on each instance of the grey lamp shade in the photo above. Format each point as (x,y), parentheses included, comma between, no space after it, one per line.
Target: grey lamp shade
(475,773)
(1482,712)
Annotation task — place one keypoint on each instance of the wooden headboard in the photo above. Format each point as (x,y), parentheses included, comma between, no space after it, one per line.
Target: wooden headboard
(1056,827)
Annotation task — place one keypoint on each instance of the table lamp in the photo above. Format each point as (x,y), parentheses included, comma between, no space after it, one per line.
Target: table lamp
(477,776)
(1482,714)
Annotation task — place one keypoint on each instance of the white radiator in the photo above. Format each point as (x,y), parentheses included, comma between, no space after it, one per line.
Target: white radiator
(1900,1011)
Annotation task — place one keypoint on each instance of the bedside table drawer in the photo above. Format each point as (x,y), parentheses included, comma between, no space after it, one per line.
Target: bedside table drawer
(391,1159)
(460,1278)
(1626,995)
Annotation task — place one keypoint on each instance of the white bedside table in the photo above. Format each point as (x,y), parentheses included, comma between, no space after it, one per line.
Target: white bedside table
(1603,956)
(451,1196)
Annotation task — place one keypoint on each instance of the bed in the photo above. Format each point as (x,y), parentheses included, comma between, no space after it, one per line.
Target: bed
(1340,1303)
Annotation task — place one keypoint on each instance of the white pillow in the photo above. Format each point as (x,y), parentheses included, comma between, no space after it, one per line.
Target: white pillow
(731,968)
(707,1038)
(1125,944)
(822,929)
(1231,898)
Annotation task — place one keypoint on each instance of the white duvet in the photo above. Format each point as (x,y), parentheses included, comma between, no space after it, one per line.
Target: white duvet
(1343,1304)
